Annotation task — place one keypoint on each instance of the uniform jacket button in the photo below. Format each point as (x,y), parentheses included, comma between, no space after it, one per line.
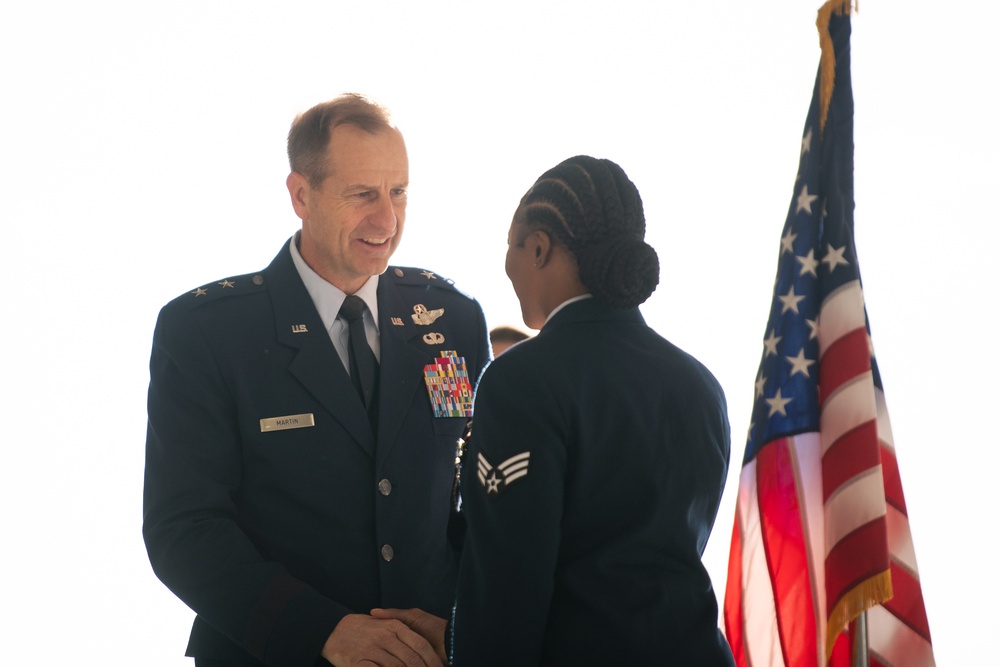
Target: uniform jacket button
(387,552)
(385,487)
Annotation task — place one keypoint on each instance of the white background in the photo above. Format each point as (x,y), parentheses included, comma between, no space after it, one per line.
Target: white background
(142,154)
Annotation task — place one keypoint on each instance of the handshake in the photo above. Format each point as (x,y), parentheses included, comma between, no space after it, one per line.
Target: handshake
(408,637)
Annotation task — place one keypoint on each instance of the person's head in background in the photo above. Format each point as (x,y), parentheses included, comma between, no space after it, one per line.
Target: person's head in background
(504,337)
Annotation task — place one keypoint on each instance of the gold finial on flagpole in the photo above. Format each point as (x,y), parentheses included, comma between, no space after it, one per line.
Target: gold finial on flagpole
(827,58)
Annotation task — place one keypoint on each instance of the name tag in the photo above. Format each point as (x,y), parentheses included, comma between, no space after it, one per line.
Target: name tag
(288,422)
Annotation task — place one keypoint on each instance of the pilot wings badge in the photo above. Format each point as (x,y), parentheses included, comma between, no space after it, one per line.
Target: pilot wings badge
(496,480)
(421,315)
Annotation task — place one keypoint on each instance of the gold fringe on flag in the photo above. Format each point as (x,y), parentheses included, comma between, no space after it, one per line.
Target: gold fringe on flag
(869,593)
(827,59)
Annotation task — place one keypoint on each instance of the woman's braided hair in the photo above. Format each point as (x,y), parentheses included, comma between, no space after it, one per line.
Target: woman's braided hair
(593,208)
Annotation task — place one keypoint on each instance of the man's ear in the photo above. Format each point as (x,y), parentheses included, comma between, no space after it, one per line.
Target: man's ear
(299,190)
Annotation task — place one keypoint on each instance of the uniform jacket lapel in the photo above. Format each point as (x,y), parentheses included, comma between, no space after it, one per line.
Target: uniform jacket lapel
(316,365)
(401,367)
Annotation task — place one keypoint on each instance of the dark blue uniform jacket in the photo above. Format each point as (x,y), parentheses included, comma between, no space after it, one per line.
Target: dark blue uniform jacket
(590,485)
(270,507)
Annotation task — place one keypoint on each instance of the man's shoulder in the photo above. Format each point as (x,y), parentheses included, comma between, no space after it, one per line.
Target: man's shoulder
(218,291)
(411,277)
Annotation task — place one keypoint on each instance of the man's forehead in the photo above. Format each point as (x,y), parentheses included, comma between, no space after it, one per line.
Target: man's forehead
(347,136)
(381,155)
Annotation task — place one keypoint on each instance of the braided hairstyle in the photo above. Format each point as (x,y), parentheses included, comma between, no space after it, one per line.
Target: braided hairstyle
(592,207)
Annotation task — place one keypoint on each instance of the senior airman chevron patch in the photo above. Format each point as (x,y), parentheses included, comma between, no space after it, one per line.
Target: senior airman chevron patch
(496,480)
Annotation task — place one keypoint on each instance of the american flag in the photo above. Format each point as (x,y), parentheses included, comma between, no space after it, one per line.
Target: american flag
(821,532)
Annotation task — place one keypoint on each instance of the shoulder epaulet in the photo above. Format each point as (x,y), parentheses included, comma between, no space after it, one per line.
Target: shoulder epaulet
(409,275)
(219,289)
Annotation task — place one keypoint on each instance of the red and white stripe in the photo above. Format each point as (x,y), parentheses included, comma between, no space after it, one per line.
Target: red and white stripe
(814,535)
(898,633)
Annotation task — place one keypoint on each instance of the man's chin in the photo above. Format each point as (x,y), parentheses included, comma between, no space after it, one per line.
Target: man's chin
(378,268)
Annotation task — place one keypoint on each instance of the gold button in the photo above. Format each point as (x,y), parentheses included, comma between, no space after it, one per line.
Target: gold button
(385,487)
(387,552)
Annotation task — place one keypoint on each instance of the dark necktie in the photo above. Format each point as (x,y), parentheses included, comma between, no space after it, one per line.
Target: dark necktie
(364,368)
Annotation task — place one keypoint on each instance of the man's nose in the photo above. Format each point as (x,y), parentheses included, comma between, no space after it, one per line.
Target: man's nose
(384,215)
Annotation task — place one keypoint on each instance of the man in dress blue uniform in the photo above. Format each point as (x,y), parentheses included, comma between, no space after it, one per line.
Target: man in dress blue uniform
(299,467)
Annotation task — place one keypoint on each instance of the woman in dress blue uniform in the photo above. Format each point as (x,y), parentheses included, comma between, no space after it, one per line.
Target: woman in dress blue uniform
(598,456)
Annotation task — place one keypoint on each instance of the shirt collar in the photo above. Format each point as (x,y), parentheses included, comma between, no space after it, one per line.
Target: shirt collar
(327,297)
(565,303)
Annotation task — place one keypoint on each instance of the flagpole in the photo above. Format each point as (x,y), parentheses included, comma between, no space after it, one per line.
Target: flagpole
(859,641)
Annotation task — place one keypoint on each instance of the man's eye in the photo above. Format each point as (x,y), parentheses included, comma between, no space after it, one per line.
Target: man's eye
(367,194)
(399,192)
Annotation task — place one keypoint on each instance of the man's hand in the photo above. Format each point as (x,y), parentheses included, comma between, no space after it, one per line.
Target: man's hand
(364,641)
(428,626)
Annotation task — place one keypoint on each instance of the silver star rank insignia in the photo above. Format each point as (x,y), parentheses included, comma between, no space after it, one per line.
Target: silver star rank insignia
(496,479)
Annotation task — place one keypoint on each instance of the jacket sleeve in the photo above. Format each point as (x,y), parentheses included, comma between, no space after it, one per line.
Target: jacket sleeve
(191,524)
(507,570)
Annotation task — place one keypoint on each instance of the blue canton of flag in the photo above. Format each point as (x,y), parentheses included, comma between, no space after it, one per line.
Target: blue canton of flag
(816,257)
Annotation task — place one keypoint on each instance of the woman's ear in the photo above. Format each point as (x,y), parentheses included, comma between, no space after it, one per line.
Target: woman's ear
(540,244)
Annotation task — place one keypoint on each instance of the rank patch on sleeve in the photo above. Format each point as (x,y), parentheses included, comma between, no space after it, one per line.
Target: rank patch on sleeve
(448,385)
(496,480)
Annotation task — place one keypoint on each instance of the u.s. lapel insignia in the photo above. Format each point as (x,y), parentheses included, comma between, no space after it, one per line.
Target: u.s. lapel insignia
(496,480)
(299,328)
(433,338)
(423,316)
(396,321)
